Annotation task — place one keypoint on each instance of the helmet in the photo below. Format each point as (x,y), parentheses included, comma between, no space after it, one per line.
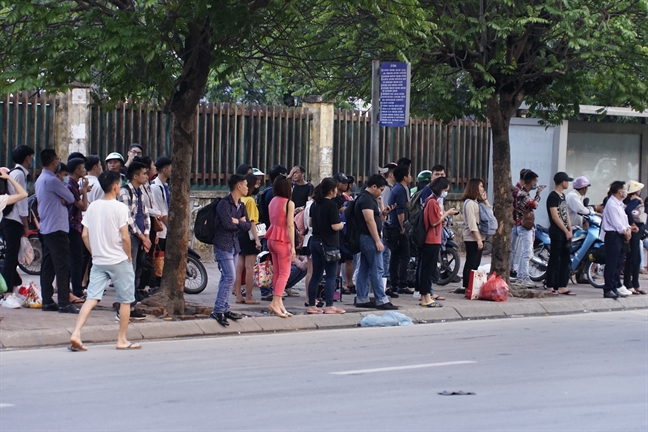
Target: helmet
(425,175)
(257,172)
(115,155)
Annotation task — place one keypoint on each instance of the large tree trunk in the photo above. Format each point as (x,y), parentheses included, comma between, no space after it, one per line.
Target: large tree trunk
(183,106)
(502,187)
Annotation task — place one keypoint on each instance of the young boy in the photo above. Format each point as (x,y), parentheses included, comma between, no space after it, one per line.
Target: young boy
(105,234)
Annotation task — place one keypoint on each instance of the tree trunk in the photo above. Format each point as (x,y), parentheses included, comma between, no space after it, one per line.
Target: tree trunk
(502,188)
(183,106)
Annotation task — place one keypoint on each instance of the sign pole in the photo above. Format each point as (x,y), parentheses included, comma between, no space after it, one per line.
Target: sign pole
(374,149)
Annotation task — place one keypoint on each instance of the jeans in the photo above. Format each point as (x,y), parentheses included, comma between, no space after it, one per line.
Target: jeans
(320,265)
(370,271)
(386,259)
(400,255)
(281,262)
(227,263)
(77,270)
(613,260)
(473,259)
(522,248)
(56,255)
(559,266)
(633,262)
(12,233)
(428,267)
(296,275)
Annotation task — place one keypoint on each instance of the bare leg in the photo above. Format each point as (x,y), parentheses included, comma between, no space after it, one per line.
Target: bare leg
(84,313)
(124,317)
(309,273)
(348,272)
(240,265)
(250,260)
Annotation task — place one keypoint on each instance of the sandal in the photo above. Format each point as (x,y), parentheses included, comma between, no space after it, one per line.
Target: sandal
(432,304)
(312,310)
(640,291)
(568,292)
(250,302)
(437,297)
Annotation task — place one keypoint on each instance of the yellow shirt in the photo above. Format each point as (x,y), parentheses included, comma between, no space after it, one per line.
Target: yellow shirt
(252,209)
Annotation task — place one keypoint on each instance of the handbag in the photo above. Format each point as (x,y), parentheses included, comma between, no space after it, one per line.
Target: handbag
(158,261)
(528,220)
(156,225)
(331,253)
(260,229)
(263,271)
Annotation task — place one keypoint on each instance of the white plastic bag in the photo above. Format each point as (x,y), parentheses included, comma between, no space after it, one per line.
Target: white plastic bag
(26,254)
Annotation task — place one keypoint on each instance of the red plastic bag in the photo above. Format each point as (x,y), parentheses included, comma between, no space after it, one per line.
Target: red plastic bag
(495,289)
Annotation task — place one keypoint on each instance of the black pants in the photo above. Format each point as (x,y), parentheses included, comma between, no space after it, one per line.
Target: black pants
(473,260)
(633,262)
(428,267)
(12,232)
(56,256)
(559,266)
(613,260)
(399,246)
(76,262)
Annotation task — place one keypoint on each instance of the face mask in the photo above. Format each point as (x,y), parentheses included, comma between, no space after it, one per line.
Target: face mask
(444,194)
(255,191)
(33,162)
(58,168)
(624,195)
(534,187)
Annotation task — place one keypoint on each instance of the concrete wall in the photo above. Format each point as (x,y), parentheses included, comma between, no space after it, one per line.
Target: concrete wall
(72,132)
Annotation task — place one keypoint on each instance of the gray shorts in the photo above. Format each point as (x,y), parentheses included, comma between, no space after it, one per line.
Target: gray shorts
(122,277)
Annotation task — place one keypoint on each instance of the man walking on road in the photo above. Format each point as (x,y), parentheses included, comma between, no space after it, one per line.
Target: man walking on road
(106,235)
(53,197)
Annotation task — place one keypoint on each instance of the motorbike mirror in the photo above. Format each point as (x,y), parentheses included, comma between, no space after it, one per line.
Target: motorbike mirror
(586,202)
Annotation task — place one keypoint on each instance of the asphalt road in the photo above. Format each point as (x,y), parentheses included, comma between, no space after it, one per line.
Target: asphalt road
(558,373)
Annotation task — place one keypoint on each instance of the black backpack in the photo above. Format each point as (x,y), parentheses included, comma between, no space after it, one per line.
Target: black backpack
(351,231)
(418,232)
(262,204)
(415,207)
(205,225)
(4,190)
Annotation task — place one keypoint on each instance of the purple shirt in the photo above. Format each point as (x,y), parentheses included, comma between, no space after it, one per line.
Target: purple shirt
(75,215)
(50,192)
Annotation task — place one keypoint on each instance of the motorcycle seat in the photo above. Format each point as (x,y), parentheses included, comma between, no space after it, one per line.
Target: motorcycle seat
(542,229)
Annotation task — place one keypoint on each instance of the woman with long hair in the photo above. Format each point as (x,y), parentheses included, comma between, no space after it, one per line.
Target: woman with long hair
(325,223)
(281,240)
(250,245)
(433,218)
(472,196)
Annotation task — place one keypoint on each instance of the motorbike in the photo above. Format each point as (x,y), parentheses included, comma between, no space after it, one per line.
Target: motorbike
(584,245)
(196,274)
(449,260)
(33,268)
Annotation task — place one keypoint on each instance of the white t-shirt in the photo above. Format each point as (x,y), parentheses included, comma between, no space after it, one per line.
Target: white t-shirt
(104,219)
(3,203)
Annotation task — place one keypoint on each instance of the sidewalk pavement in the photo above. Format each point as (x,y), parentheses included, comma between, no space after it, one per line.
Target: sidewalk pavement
(31,328)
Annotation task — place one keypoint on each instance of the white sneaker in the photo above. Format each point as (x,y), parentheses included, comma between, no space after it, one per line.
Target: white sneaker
(11,302)
(292,292)
(417,295)
(624,291)
(526,282)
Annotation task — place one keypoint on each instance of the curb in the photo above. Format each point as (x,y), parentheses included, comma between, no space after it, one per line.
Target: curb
(208,327)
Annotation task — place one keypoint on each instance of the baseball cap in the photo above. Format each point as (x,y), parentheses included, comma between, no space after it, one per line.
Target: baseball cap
(581,182)
(115,155)
(257,172)
(562,177)
(342,178)
(386,168)
(634,186)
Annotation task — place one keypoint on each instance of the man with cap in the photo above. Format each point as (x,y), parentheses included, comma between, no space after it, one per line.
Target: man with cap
(560,232)
(343,182)
(575,207)
(115,162)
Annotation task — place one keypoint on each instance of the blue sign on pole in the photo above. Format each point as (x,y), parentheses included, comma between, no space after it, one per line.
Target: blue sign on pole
(394,94)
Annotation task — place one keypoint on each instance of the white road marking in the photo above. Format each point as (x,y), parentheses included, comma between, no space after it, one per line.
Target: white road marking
(6,405)
(397,368)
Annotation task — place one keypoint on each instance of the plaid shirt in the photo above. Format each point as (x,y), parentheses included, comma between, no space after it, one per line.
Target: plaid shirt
(522,204)
(124,196)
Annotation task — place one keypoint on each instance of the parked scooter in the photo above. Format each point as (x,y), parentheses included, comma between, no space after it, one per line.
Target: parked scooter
(584,245)
(196,274)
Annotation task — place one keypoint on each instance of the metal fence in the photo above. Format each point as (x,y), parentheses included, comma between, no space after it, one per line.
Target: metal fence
(26,118)
(462,146)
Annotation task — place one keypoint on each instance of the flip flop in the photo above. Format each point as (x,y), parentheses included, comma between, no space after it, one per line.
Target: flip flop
(437,297)
(130,346)
(250,302)
(77,348)
(314,311)
(240,301)
(568,292)
(432,304)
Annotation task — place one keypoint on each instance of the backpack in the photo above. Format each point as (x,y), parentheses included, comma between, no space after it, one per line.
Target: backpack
(262,204)
(418,232)
(415,207)
(487,221)
(301,229)
(205,225)
(4,190)
(351,230)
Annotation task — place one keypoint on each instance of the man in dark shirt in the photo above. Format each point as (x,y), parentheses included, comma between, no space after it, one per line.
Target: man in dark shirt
(75,213)
(395,233)
(301,188)
(369,219)
(231,217)
(560,233)
(343,182)
(437,171)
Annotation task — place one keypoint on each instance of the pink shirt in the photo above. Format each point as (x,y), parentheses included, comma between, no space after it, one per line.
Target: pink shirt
(278,230)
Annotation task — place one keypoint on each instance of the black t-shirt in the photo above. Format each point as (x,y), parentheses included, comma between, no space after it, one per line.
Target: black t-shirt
(324,215)
(340,200)
(558,201)
(364,202)
(300,194)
